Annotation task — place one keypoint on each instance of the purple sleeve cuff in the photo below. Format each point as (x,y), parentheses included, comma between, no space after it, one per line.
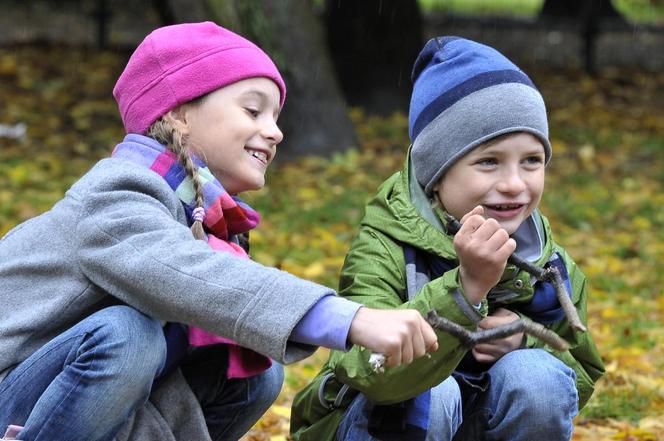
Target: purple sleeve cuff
(327,323)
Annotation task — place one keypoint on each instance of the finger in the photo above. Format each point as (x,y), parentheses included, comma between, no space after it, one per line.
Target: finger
(470,225)
(479,210)
(493,321)
(508,248)
(504,312)
(407,352)
(487,230)
(489,322)
(430,337)
(419,346)
(393,357)
(498,239)
(482,357)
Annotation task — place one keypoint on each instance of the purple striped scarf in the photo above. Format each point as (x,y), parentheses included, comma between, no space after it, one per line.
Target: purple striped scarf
(225,216)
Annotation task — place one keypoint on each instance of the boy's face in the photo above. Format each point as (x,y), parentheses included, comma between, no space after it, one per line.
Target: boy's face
(506,177)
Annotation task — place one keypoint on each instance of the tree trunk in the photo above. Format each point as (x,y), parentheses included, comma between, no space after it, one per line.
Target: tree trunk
(314,119)
(575,9)
(587,14)
(373,44)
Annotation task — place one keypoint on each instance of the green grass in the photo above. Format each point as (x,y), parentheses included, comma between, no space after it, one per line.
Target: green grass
(527,8)
(623,403)
(637,11)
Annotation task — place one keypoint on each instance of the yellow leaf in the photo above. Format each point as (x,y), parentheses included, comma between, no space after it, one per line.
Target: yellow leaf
(281,411)
(314,270)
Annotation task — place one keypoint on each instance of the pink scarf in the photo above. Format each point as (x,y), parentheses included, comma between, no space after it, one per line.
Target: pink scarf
(224,217)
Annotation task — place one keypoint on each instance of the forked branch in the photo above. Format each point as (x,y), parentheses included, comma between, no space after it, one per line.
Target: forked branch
(470,339)
(550,275)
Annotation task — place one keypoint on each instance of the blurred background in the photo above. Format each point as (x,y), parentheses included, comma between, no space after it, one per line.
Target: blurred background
(599,65)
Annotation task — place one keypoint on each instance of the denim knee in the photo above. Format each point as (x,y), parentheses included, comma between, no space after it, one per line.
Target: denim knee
(544,385)
(133,341)
(445,412)
(265,387)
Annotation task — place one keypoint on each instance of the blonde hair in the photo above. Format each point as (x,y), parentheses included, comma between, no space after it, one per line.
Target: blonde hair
(165,132)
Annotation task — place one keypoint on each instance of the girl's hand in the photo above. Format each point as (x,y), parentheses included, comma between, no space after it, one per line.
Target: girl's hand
(493,350)
(483,248)
(401,335)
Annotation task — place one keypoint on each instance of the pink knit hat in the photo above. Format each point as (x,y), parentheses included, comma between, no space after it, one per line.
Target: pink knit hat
(176,64)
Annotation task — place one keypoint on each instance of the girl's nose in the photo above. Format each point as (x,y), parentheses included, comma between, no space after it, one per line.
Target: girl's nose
(272,132)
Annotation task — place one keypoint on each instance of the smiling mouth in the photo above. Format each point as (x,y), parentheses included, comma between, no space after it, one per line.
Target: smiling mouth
(261,156)
(505,208)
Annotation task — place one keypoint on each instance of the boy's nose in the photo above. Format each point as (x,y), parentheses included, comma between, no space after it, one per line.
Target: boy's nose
(511,182)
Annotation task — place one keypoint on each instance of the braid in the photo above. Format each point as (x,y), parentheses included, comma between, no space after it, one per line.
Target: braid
(164,132)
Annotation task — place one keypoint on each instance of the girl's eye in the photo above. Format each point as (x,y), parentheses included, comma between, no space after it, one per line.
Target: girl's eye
(253,112)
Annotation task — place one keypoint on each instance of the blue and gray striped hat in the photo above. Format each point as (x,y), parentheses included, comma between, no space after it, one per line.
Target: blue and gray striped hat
(464,94)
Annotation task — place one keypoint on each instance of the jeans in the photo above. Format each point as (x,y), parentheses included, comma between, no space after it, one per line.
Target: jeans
(531,395)
(230,406)
(85,383)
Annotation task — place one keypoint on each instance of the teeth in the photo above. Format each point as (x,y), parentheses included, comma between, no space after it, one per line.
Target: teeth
(260,155)
(506,206)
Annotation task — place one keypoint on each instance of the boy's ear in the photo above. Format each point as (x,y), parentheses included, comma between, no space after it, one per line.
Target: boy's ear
(178,119)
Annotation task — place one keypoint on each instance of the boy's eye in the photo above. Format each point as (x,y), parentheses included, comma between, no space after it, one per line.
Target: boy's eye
(251,111)
(534,160)
(487,161)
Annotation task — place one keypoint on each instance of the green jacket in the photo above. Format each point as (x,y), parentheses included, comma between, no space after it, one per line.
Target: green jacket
(374,274)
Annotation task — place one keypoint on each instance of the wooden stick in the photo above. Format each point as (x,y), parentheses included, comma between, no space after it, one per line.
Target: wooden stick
(470,339)
(550,275)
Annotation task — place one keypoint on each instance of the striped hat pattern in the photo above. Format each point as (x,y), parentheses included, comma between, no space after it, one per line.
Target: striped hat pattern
(464,94)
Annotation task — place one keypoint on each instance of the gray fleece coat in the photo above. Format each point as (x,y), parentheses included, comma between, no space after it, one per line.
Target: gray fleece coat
(120,236)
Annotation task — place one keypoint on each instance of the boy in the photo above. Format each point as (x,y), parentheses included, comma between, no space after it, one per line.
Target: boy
(480,145)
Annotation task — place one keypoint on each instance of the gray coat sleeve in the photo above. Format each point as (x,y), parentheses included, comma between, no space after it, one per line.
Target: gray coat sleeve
(131,242)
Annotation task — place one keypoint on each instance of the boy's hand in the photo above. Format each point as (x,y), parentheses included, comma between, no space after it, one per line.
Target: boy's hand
(401,335)
(483,248)
(493,350)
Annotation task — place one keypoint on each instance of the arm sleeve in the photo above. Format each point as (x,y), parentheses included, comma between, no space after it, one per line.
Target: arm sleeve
(374,275)
(327,323)
(131,245)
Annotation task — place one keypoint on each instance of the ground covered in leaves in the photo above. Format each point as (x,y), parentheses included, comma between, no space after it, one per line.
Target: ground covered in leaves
(605,193)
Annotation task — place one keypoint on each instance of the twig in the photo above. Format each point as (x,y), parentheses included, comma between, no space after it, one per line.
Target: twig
(550,275)
(470,339)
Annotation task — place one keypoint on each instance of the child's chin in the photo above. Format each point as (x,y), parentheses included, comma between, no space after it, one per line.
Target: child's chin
(511,226)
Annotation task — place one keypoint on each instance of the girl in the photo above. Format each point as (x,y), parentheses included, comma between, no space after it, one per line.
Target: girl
(114,313)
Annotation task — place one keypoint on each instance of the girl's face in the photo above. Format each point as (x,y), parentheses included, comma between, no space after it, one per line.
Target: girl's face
(505,177)
(234,130)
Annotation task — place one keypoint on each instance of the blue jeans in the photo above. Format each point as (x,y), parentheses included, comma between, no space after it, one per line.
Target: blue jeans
(85,383)
(230,406)
(531,395)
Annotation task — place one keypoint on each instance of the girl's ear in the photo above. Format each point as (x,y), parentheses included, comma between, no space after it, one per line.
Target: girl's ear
(177,118)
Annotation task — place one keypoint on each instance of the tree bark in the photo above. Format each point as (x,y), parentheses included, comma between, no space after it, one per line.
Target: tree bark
(314,119)
(578,8)
(587,14)
(373,44)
